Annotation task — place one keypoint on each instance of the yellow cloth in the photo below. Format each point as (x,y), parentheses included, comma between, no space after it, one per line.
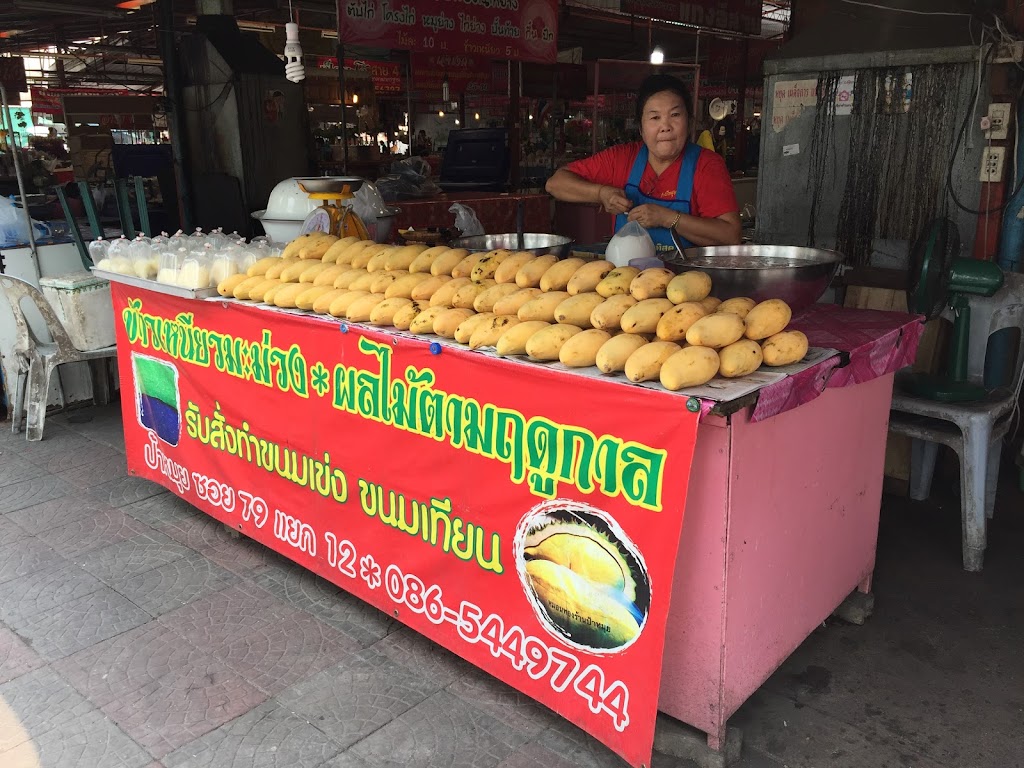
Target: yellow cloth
(706,141)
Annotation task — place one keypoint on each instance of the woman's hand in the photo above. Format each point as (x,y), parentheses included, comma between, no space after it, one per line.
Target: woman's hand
(650,215)
(723,230)
(614,200)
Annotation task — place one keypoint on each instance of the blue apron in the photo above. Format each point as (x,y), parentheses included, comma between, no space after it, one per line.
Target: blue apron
(684,192)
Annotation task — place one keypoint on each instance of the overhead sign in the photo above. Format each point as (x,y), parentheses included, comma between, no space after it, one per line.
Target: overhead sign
(386,76)
(733,15)
(12,75)
(466,74)
(532,528)
(45,101)
(526,30)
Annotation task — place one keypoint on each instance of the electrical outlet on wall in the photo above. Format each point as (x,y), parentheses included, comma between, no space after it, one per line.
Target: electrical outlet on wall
(992,160)
(1008,53)
(998,121)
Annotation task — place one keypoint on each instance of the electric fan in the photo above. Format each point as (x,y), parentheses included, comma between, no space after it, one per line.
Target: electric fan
(940,279)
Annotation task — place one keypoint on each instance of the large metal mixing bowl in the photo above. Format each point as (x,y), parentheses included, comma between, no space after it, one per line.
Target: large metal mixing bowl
(798,276)
(533,242)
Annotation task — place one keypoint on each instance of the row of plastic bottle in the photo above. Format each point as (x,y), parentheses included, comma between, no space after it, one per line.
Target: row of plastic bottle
(196,261)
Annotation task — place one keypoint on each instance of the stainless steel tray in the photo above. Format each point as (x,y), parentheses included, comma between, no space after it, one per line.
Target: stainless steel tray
(153,285)
(534,242)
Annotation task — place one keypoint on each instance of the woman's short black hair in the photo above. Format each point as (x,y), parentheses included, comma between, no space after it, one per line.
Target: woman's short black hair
(656,84)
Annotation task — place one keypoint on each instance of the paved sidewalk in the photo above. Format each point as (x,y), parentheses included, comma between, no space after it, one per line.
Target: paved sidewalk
(136,632)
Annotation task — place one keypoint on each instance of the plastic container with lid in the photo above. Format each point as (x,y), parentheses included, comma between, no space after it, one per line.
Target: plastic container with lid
(83,303)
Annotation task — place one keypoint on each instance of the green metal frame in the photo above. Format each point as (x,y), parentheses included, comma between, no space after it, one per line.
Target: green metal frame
(140,202)
(124,208)
(90,210)
(76,233)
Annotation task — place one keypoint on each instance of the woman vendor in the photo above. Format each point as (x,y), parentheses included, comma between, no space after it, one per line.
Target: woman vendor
(662,182)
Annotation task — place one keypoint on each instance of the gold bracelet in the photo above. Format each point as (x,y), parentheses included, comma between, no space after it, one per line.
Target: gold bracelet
(675,221)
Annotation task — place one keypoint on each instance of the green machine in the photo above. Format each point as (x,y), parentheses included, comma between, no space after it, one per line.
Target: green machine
(942,279)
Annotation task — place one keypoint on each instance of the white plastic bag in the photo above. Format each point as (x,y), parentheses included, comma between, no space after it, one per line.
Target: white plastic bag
(466,221)
(13,227)
(631,243)
(368,205)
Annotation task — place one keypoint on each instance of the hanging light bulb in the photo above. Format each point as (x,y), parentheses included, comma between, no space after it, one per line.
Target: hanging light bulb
(440,113)
(657,56)
(293,69)
(476,115)
(456,121)
(355,97)
(444,88)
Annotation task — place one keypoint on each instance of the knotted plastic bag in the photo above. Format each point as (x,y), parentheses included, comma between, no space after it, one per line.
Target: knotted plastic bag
(13,227)
(368,205)
(631,243)
(466,221)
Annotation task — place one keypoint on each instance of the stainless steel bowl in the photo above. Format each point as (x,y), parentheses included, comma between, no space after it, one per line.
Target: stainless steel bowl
(798,276)
(321,184)
(533,242)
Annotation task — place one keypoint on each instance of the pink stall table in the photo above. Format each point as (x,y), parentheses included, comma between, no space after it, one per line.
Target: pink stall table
(782,515)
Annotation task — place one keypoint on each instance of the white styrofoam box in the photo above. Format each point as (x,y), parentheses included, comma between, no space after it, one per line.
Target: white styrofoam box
(84,305)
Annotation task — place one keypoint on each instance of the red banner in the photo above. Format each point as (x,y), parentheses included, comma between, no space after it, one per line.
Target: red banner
(466,74)
(46,101)
(734,15)
(492,29)
(385,75)
(525,518)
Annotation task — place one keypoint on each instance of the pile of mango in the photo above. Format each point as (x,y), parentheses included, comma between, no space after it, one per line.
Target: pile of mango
(650,325)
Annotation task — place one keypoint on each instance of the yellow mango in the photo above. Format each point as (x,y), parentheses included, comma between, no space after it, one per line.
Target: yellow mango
(644,316)
(677,321)
(767,318)
(693,285)
(740,358)
(581,350)
(717,330)
(645,364)
(784,348)
(689,367)
(546,343)
(614,353)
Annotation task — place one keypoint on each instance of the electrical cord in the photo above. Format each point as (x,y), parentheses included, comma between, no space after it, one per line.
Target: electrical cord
(905,10)
(956,148)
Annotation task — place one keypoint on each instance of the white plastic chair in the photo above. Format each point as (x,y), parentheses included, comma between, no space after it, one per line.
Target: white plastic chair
(37,359)
(974,430)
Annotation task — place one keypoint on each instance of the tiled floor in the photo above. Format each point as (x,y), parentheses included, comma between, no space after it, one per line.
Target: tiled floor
(135,632)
